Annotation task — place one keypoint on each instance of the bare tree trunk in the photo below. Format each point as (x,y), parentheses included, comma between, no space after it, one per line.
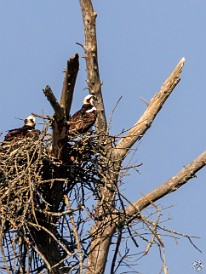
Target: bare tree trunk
(104,228)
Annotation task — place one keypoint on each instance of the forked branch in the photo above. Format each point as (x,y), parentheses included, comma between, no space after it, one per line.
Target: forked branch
(145,122)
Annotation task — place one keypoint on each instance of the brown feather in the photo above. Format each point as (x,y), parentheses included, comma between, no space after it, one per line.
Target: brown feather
(28,130)
(82,120)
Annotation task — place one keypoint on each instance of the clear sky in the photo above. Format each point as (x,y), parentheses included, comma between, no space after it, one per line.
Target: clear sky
(140,43)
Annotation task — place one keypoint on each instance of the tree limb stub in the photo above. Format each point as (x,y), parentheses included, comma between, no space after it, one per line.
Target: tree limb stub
(59,111)
(69,84)
(181,178)
(90,47)
(155,105)
(59,126)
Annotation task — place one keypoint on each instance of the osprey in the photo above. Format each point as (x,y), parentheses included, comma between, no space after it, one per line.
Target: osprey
(28,130)
(83,119)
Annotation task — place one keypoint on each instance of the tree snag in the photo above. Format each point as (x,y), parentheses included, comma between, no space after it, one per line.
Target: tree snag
(62,206)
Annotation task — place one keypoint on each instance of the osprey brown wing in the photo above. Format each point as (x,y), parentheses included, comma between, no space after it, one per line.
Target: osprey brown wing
(82,120)
(29,125)
(76,123)
(16,133)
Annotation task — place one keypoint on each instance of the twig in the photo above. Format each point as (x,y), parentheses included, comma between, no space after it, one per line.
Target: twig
(112,113)
(47,117)
(52,235)
(114,259)
(145,101)
(163,258)
(79,44)
(38,252)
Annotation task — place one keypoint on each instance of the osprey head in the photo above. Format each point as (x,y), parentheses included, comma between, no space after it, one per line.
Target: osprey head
(89,100)
(30,121)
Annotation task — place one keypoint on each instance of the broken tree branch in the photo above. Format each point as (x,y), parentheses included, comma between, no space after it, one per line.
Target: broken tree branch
(59,111)
(69,84)
(59,126)
(145,122)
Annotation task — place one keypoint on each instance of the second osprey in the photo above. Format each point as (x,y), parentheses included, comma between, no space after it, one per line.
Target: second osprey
(83,119)
(28,130)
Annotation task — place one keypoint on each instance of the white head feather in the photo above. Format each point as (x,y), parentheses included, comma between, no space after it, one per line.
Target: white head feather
(88,100)
(30,121)
(91,110)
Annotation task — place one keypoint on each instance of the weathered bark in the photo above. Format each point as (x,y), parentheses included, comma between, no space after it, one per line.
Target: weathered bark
(93,77)
(59,126)
(69,84)
(103,228)
(101,239)
(100,247)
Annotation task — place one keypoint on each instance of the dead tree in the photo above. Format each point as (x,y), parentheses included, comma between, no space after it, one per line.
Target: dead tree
(61,204)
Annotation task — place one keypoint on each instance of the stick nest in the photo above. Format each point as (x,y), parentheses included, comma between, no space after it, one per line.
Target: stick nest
(36,190)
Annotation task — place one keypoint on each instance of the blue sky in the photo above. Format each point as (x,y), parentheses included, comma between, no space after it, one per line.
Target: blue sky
(140,42)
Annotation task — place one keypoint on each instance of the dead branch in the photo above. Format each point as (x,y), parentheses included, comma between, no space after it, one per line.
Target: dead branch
(101,240)
(69,83)
(146,120)
(59,126)
(181,178)
(58,110)
(47,117)
(90,47)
